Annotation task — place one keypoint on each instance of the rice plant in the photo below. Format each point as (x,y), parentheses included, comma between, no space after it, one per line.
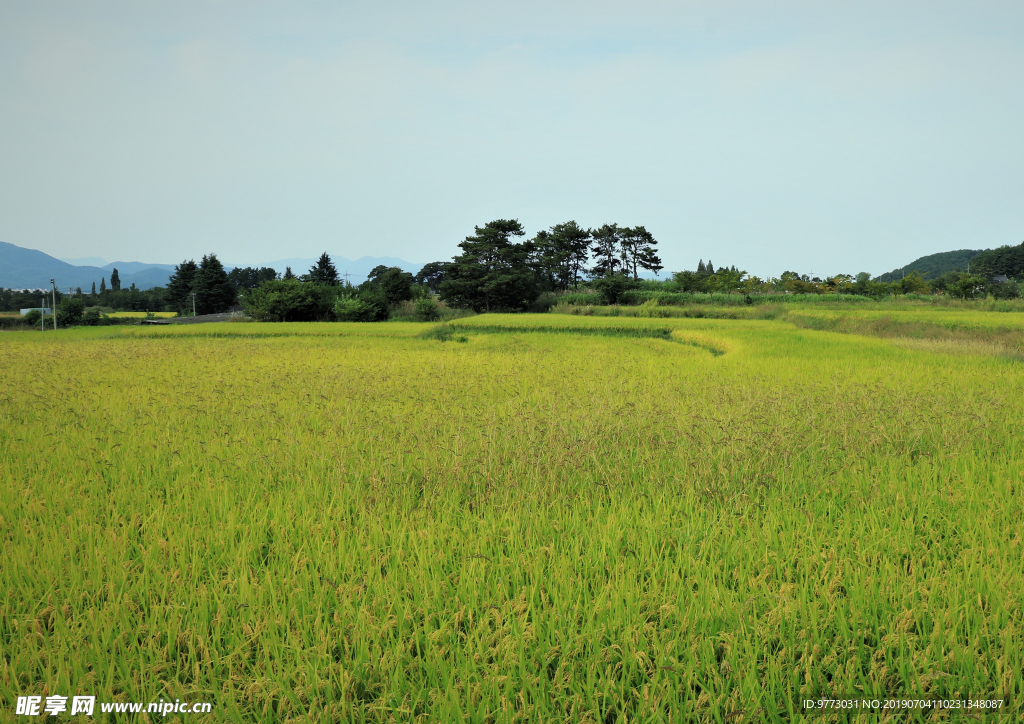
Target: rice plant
(584,519)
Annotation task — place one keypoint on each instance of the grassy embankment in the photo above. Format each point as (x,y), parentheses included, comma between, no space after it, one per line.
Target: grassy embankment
(941,325)
(601,519)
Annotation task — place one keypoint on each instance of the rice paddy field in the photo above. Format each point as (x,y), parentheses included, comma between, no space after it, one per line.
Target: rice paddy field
(520,518)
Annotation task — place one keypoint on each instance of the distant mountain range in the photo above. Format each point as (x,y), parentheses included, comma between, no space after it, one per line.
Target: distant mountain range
(123,267)
(85,261)
(22,268)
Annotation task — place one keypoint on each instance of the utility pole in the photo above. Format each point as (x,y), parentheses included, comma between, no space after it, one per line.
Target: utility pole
(346,279)
(54,303)
(193,304)
(42,314)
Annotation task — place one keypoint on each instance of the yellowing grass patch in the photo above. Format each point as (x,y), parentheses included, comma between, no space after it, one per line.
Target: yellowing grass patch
(142,315)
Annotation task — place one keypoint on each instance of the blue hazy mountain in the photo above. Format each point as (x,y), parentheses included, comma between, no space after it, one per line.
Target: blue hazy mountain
(22,268)
(85,261)
(144,279)
(133,267)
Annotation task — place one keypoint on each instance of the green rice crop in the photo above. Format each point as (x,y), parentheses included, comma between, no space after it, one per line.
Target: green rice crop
(584,519)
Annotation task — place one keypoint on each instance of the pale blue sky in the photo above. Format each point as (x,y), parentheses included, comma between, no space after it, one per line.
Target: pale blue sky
(821,137)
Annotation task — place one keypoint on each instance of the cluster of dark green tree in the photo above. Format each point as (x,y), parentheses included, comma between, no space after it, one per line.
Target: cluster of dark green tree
(932,266)
(78,307)
(959,284)
(707,279)
(495,272)
(114,297)
(214,291)
(251,277)
(11,300)
(320,295)
(963,285)
(71,312)
(1005,261)
(966,272)
(202,288)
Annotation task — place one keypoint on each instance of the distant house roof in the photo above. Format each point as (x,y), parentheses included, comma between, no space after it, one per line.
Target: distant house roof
(1000,279)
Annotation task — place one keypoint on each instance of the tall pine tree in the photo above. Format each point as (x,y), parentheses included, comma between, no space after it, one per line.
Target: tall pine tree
(214,291)
(179,288)
(492,273)
(432,274)
(606,249)
(323,272)
(573,244)
(638,251)
(546,260)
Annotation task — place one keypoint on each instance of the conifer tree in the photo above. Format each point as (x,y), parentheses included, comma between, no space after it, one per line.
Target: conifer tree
(493,272)
(573,244)
(323,272)
(638,251)
(432,274)
(115,281)
(288,273)
(605,248)
(179,287)
(214,291)
(547,260)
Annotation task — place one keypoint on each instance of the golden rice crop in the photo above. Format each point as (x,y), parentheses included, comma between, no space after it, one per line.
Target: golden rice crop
(561,519)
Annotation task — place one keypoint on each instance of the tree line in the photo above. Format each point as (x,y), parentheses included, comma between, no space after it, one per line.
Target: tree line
(321,295)
(495,272)
(498,269)
(956,284)
(81,307)
(1004,261)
